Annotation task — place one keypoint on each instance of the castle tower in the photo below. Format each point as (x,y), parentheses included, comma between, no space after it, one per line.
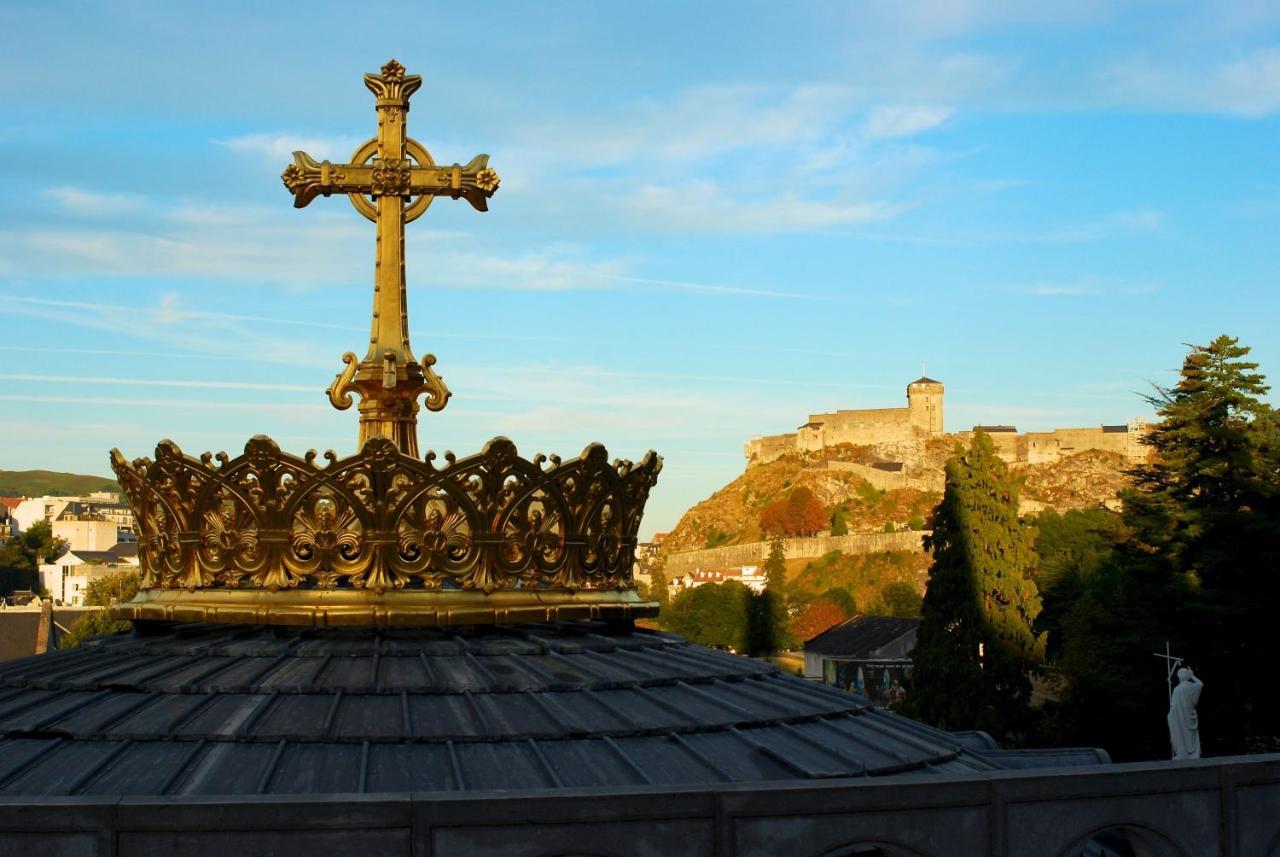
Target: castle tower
(924,400)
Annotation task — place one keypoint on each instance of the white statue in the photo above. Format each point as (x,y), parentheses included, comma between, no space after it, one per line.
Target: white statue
(1184,726)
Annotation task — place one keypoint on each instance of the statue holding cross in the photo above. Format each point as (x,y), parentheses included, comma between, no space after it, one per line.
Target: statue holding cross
(391,180)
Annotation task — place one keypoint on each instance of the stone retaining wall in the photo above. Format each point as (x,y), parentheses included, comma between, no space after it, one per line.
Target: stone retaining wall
(755,553)
(885,480)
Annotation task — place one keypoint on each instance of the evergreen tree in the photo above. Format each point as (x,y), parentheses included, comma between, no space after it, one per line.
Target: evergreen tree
(1193,564)
(1204,518)
(975,647)
(776,607)
(1206,502)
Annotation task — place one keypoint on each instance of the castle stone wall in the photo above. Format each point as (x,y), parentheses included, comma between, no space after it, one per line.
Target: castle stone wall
(922,418)
(755,553)
(885,480)
(761,450)
(1040,447)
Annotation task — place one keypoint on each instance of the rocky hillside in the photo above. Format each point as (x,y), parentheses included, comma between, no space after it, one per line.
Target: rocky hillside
(732,514)
(1084,480)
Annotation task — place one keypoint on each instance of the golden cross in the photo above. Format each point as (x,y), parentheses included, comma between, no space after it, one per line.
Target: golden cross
(391,180)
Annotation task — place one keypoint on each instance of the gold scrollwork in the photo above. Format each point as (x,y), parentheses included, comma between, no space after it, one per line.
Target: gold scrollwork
(380,520)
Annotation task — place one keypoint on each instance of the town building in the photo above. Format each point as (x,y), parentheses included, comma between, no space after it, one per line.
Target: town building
(67,578)
(749,576)
(77,514)
(8,524)
(866,655)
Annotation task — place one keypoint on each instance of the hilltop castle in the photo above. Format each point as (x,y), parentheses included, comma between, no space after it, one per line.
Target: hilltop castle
(921,419)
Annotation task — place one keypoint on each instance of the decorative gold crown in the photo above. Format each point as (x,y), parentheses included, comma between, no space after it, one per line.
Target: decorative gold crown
(552,534)
(383,537)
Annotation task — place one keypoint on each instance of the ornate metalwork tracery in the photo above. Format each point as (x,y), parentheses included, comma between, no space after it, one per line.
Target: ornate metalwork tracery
(381,521)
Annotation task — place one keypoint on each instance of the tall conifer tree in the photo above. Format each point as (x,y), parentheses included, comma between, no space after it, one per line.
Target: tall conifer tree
(975,646)
(1204,515)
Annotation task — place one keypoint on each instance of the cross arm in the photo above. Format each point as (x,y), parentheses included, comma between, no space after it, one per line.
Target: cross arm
(307,179)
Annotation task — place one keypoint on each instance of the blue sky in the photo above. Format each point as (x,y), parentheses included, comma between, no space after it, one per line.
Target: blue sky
(714,218)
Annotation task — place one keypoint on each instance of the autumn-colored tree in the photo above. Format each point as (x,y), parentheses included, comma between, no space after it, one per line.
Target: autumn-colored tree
(800,513)
(815,617)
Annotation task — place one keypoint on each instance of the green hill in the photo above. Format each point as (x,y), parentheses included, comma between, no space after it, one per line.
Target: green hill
(37,483)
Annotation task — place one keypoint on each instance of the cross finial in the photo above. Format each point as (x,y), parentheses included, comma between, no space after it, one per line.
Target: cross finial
(391,179)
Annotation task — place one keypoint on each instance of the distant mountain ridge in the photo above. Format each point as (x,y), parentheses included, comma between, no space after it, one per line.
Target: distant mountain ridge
(38,483)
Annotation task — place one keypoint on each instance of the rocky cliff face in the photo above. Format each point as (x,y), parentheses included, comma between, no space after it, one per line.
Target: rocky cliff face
(1086,479)
(732,514)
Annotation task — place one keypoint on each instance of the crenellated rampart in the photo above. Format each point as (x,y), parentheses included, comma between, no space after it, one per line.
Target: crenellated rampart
(755,553)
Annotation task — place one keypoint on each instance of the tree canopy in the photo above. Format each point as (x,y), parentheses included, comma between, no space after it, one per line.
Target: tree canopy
(22,556)
(800,513)
(975,647)
(103,592)
(1193,564)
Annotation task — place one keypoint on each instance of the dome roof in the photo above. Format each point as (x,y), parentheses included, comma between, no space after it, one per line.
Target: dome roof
(244,710)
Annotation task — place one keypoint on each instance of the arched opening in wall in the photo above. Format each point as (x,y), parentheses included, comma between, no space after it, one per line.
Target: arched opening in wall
(1124,841)
(871,849)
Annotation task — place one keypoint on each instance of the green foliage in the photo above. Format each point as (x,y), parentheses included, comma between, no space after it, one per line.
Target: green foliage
(888,526)
(714,614)
(731,616)
(657,590)
(113,589)
(863,576)
(716,538)
(877,607)
(38,483)
(103,592)
(839,522)
(22,556)
(975,647)
(902,599)
(1193,564)
(774,616)
(915,523)
(870,494)
(1072,547)
(842,598)
(97,623)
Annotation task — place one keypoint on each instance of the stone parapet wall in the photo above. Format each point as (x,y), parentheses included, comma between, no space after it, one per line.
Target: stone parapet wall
(1222,806)
(755,553)
(884,480)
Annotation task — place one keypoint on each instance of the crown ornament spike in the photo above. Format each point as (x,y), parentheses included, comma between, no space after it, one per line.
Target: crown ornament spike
(384,537)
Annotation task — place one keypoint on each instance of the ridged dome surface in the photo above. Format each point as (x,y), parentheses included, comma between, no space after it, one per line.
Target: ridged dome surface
(242,710)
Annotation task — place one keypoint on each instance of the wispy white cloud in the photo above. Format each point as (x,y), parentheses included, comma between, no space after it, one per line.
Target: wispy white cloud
(904,120)
(78,201)
(706,206)
(183,383)
(281,146)
(166,403)
(1050,290)
(1247,85)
